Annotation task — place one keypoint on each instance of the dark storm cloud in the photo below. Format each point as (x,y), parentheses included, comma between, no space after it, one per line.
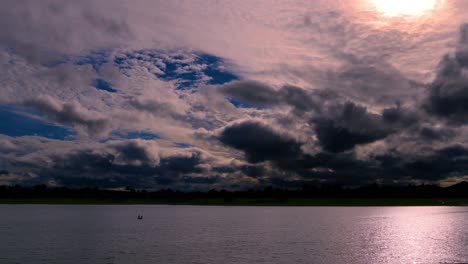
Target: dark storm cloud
(181,164)
(448,94)
(125,164)
(253,171)
(451,161)
(345,168)
(337,139)
(437,165)
(132,152)
(260,94)
(70,114)
(259,142)
(430,134)
(251,92)
(201,180)
(400,117)
(300,99)
(338,126)
(349,125)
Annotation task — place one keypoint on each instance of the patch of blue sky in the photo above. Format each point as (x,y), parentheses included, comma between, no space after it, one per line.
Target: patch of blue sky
(17,122)
(95,59)
(187,70)
(134,135)
(215,69)
(204,68)
(104,85)
(241,104)
(182,145)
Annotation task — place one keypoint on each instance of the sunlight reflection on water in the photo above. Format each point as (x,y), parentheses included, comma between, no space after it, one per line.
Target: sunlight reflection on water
(195,234)
(421,235)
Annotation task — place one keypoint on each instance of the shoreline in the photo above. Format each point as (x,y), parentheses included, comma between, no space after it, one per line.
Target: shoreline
(318,202)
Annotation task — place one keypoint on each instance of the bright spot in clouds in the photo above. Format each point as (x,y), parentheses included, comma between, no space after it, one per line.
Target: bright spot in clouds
(405,7)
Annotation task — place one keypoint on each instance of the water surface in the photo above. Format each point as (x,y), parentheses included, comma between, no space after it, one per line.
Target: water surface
(56,234)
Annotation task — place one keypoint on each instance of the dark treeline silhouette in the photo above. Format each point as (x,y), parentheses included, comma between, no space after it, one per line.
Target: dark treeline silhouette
(170,196)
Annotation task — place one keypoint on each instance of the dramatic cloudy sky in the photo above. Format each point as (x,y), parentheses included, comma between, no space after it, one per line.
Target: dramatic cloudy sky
(201,94)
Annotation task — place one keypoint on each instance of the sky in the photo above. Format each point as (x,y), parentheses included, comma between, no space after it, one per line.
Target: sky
(217,94)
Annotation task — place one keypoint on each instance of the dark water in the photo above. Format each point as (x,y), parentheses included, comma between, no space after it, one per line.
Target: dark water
(195,234)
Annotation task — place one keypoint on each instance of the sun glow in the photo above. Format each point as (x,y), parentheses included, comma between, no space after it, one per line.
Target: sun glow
(405,7)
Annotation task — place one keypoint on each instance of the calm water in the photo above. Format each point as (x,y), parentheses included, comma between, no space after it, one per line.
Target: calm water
(195,234)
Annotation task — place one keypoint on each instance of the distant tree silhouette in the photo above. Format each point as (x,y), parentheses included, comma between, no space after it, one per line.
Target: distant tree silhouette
(282,195)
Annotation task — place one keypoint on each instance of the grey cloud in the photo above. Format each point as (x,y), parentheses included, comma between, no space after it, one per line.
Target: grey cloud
(260,94)
(337,139)
(133,152)
(338,126)
(251,92)
(68,75)
(448,94)
(440,164)
(42,30)
(154,107)
(436,134)
(253,171)
(371,81)
(400,117)
(70,114)
(115,167)
(259,142)
(262,144)
(345,168)
(111,164)
(349,125)
(301,99)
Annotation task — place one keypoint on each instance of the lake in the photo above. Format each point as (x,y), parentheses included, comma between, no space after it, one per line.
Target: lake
(201,234)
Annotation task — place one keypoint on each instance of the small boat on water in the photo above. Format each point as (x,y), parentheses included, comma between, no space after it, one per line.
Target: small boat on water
(140,217)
